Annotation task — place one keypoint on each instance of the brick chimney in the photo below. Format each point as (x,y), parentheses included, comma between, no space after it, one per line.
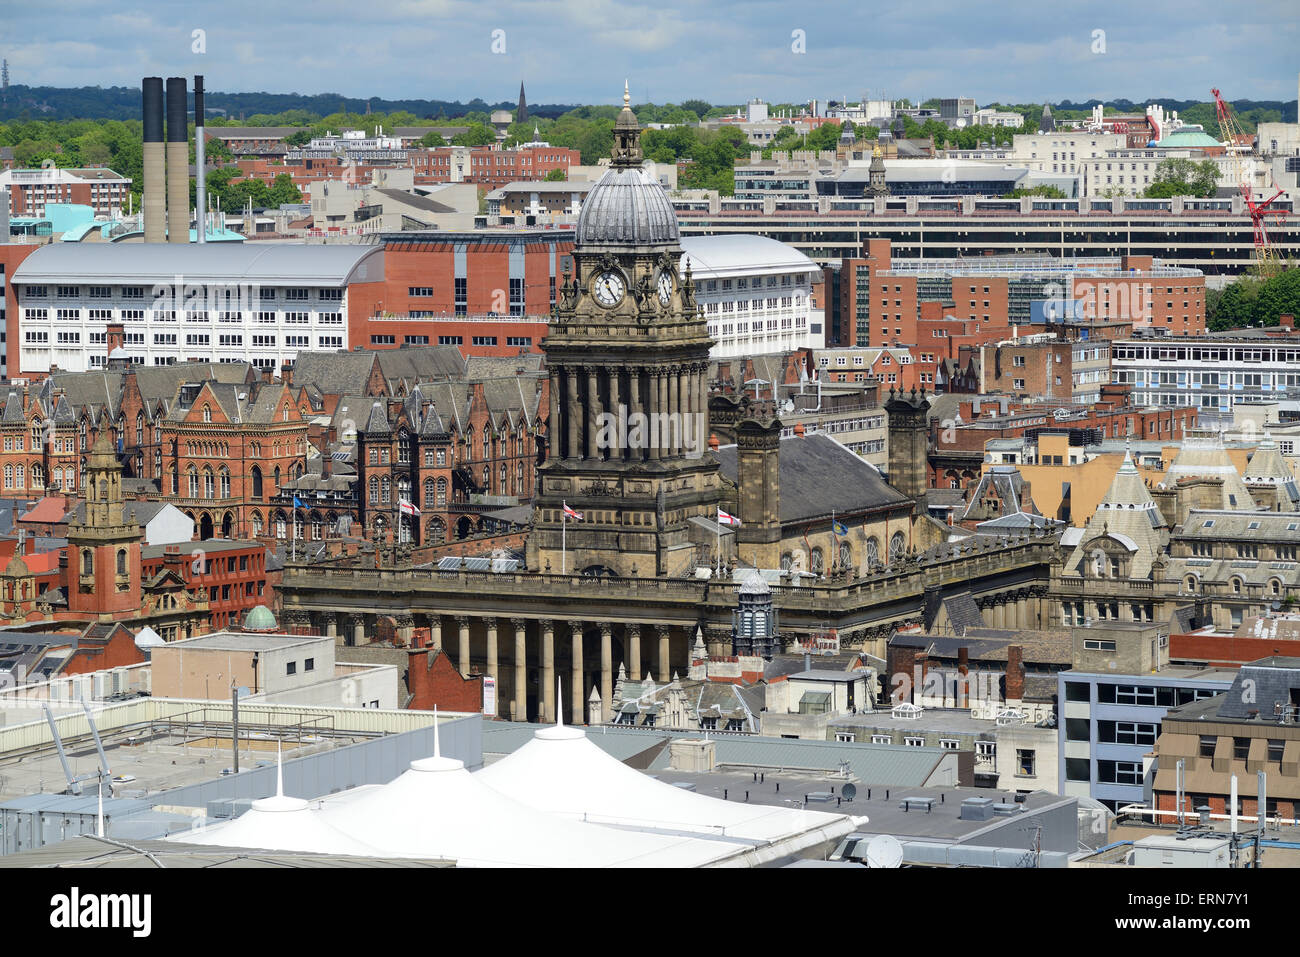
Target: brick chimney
(1015,673)
(115,334)
(1286,322)
(963,669)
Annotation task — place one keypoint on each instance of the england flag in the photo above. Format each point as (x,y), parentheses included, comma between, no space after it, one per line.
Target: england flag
(726,518)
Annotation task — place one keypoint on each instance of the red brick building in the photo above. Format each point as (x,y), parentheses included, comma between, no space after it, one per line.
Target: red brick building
(231,575)
(30,189)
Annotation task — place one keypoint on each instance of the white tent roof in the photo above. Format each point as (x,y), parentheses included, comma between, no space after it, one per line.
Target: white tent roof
(279,823)
(438,809)
(562,772)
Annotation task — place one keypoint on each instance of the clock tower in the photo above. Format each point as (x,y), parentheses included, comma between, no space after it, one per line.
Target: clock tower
(628,354)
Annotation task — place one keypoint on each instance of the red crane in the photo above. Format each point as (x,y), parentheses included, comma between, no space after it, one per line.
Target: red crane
(1266,259)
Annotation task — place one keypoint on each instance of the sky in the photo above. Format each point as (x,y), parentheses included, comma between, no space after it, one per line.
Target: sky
(580,51)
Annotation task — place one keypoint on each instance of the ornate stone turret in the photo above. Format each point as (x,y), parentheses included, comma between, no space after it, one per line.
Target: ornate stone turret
(877,187)
(909,437)
(753,630)
(104,549)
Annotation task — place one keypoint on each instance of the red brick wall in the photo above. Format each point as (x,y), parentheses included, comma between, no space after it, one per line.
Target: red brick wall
(118,652)
(433,680)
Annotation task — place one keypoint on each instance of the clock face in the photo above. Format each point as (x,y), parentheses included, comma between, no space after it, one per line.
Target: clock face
(608,288)
(665,286)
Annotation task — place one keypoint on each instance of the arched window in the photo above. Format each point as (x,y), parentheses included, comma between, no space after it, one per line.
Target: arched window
(121,561)
(284,414)
(20,476)
(207,412)
(139,428)
(193,477)
(787,561)
(437,531)
(502,488)
(9,476)
(440,498)
(385,491)
(280,526)
(225,482)
(816,564)
(1236,586)
(175,486)
(276,477)
(297,524)
(209,483)
(70,478)
(87,562)
(257,524)
(403,489)
(846,554)
(257,482)
(374,490)
(428,492)
(872,558)
(36,435)
(487,444)
(1191,583)
(897,547)
(1274,586)
(315,526)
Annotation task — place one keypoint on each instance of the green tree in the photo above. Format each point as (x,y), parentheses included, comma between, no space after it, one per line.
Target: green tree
(1051,192)
(283,191)
(698,107)
(1279,296)
(432,139)
(556,175)
(478,134)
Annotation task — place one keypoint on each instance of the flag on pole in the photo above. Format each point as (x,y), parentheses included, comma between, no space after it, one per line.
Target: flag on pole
(297,502)
(726,518)
(570,513)
(840,528)
(408,508)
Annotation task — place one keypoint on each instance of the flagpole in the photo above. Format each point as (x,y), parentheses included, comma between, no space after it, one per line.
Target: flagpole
(295,530)
(564,525)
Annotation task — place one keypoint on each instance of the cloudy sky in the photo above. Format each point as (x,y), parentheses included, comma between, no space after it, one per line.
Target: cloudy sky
(723,51)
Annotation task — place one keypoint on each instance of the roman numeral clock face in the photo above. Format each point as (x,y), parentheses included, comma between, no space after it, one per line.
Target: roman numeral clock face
(608,288)
(665,287)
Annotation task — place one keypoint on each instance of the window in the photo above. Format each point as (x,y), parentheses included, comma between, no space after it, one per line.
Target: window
(914,742)
(420,292)
(1240,749)
(291,668)
(881,739)
(988,750)
(1077,769)
(1077,729)
(1275,749)
(845,737)
(309,664)
(1025,760)
(948,744)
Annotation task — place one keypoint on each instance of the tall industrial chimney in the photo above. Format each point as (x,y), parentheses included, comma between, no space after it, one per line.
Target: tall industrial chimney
(155,184)
(178,162)
(200,185)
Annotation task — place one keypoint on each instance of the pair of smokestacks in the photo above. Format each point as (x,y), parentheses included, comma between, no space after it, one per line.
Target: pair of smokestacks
(167,171)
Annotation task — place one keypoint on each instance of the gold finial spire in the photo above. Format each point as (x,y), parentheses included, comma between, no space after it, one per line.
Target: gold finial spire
(627,97)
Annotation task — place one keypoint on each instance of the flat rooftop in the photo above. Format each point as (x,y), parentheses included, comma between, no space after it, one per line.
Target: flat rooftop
(1172,672)
(239,641)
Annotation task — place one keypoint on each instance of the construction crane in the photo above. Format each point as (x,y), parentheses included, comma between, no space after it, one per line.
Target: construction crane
(1267,262)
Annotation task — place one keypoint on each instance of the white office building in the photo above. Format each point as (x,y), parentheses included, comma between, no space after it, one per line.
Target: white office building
(234,302)
(756,294)
(1212,374)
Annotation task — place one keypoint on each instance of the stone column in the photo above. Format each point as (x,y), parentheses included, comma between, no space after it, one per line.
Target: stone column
(520,712)
(548,670)
(634,409)
(652,406)
(463,649)
(435,632)
(492,663)
(575,685)
(616,451)
(606,667)
(575,414)
(332,626)
(664,673)
(633,633)
(405,628)
(593,413)
(661,406)
(357,629)
(553,424)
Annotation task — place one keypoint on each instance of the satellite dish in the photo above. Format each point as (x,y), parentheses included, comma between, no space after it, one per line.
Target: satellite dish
(883,850)
(849,792)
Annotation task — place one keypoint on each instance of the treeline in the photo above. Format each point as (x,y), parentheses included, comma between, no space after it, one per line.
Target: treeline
(1251,301)
(123,103)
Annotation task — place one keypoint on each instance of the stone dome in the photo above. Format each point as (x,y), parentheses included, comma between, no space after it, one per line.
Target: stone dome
(627,207)
(259,618)
(754,584)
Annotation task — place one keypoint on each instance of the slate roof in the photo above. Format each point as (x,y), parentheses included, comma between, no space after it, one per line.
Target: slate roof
(1127,514)
(1206,457)
(818,474)
(991,644)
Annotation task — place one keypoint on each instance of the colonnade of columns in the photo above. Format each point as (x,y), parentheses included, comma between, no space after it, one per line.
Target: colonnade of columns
(667,396)
(530,645)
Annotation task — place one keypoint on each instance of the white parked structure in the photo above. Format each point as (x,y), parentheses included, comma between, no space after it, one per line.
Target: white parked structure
(756,294)
(258,303)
